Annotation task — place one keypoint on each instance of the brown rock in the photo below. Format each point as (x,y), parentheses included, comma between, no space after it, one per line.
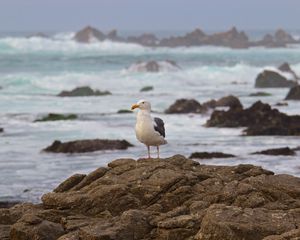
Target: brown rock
(81,146)
(186,106)
(89,34)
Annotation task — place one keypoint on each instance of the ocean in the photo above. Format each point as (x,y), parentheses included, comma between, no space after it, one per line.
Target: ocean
(34,70)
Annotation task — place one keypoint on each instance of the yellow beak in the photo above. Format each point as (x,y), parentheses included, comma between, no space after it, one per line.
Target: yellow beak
(134,106)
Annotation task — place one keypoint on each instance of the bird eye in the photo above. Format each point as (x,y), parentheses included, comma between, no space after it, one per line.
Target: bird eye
(143,102)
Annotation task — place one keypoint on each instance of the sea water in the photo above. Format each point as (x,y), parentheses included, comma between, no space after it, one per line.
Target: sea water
(33,71)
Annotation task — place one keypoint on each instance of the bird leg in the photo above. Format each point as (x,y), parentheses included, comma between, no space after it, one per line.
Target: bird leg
(148,147)
(157,151)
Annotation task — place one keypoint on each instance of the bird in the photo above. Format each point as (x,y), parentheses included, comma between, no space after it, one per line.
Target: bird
(150,132)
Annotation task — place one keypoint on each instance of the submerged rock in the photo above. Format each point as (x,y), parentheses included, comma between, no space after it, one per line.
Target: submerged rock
(154,66)
(83,92)
(260,94)
(81,146)
(278,151)
(293,94)
(88,35)
(57,117)
(186,106)
(122,111)
(146,89)
(208,155)
(271,79)
(172,198)
(260,119)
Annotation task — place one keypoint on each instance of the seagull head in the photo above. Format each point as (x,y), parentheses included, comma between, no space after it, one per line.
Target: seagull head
(143,105)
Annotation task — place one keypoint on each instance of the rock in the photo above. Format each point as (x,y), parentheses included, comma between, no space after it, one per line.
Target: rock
(286,151)
(38,35)
(146,89)
(6,204)
(271,79)
(1,130)
(83,92)
(285,67)
(294,93)
(81,146)
(282,36)
(290,235)
(209,155)
(57,117)
(88,35)
(122,111)
(281,104)
(154,66)
(186,106)
(146,39)
(260,94)
(227,101)
(260,119)
(172,198)
(113,36)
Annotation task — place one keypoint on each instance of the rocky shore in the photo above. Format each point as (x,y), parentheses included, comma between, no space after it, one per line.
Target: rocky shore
(172,198)
(231,38)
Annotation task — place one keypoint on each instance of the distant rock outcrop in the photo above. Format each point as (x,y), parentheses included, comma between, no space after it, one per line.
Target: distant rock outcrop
(294,93)
(146,39)
(173,198)
(83,92)
(186,106)
(260,119)
(81,146)
(89,34)
(272,79)
(285,67)
(154,66)
(57,117)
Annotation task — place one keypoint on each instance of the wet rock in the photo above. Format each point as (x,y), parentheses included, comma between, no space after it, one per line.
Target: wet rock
(227,101)
(57,117)
(271,79)
(1,130)
(81,146)
(172,198)
(83,92)
(146,89)
(281,104)
(286,151)
(260,119)
(154,66)
(260,94)
(113,36)
(88,35)
(209,155)
(146,39)
(281,36)
(285,67)
(293,94)
(122,111)
(186,106)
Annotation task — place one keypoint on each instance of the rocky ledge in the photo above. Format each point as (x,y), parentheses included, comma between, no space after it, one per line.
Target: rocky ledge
(173,198)
(89,145)
(260,119)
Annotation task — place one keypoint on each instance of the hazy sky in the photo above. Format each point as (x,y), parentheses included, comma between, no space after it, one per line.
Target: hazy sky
(148,14)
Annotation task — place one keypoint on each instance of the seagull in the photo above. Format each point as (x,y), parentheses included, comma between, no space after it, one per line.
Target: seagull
(149,131)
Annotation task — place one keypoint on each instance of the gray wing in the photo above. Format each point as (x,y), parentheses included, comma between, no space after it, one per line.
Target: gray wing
(159,126)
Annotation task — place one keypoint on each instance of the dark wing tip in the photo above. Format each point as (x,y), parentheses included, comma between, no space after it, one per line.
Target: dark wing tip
(159,126)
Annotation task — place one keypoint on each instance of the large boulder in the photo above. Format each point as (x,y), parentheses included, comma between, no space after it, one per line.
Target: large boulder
(294,93)
(81,146)
(227,101)
(88,35)
(260,119)
(186,106)
(154,66)
(172,198)
(286,151)
(83,92)
(271,79)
